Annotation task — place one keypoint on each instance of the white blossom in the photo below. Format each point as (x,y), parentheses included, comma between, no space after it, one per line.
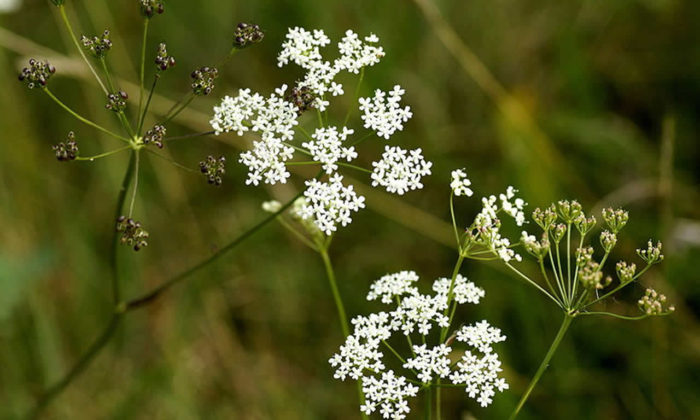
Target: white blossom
(430,361)
(481,336)
(463,290)
(400,170)
(330,203)
(302,47)
(389,393)
(272,206)
(327,147)
(356,54)
(392,285)
(460,183)
(513,205)
(383,113)
(420,312)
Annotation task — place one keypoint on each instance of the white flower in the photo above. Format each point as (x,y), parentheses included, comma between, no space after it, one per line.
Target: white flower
(389,393)
(400,170)
(463,290)
(302,47)
(479,376)
(326,147)
(330,203)
(481,336)
(356,54)
(392,285)
(515,207)
(460,183)
(422,311)
(383,114)
(430,361)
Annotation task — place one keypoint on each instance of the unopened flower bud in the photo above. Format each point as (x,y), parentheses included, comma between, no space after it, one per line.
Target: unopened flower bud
(584,224)
(246,34)
(203,80)
(584,256)
(116,102)
(568,211)
(558,232)
(213,169)
(651,255)
(653,303)
(608,240)
(545,219)
(625,272)
(591,278)
(616,219)
(132,233)
(68,150)
(151,7)
(163,60)
(37,74)
(155,135)
(98,47)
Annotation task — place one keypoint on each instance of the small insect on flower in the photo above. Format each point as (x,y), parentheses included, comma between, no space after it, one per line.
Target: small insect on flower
(132,233)
(68,150)
(37,74)
(116,102)
(303,98)
(203,80)
(213,169)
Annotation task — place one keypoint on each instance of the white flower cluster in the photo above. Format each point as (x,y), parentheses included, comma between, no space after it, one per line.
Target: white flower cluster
(400,170)
(362,356)
(330,203)
(303,48)
(460,183)
(383,113)
(273,118)
(327,147)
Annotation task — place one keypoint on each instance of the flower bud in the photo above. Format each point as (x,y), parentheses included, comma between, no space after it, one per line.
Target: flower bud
(97,47)
(545,218)
(568,211)
(246,34)
(116,102)
(651,255)
(150,7)
(37,74)
(584,256)
(616,219)
(213,169)
(155,135)
(652,303)
(132,233)
(558,232)
(625,272)
(584,224)
(163,60)
(608,240)
(68,150)
(203,80)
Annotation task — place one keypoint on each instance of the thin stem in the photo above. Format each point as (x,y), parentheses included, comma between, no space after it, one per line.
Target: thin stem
(136,183)
(580,245)
(398,356)
(556,276)
(142,118)
(159,290)
(546,278)
(178,110)
(526,278)
(627,318)
(107,75)
(561,275)
(428,403)
(618,288)
(568,262)
(438,404)
(297,233)
(450,292)
(363,138)
(357,94)
(305,133)
(454,220)
(143,62)
(62,11)
(122,117)
(121,198)
(81,118)
(167,159)
(344,325)
(189,136)
(543,366)
(54,390)
(101,155)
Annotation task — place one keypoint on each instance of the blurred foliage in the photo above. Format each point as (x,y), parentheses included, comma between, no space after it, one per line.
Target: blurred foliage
(250,336)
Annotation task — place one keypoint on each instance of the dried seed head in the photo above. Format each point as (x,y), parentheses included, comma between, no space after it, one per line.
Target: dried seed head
(151,7)
(117,101)
(651,255)
(203,80)
(653,303)
(303,98)
(213,169)
(246,34)
(591,277)
(155,135)
(625,272)
(68,150)
(37,74)
(545,219)
(132,233)
(163,60)
(616,219)
(98,47)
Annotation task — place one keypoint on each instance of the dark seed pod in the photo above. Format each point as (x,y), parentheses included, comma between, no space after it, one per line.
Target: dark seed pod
(246,35)
(132,233)
(96,46)
(303,98)
(116,102)
(37,74)
(203,80)
(149,8)
(155,136)
(213,169)
(66,150)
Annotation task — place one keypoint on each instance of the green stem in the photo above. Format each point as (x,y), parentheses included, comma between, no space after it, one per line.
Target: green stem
(618,288)
(167,159)
(136,183)
(142,118)
(62,11)
(428,403)
(450,292)
(546,278)
(159,290)
(627,318)
(101,155)
(568,262)
(121,198)
(178,110)
(81,118)
(189,136)
(454,220)
(344,325)
(543,366)
(357,94)
(438,401)
(54,390)
(143,62)
(556,276)
(537,286)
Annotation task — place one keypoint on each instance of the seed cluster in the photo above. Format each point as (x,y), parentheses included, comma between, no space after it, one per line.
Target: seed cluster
(203,80)
(213,169)
(155,135)
(117,101)
(163,60)
(132,233)
(68,150)
(302,97)
(98,47)
(247,34)
(37,74)
(151,7)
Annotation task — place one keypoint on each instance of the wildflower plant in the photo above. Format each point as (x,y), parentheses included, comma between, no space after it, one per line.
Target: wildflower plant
(569,251)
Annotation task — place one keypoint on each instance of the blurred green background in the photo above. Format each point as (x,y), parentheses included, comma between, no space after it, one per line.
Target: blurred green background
(596,101)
